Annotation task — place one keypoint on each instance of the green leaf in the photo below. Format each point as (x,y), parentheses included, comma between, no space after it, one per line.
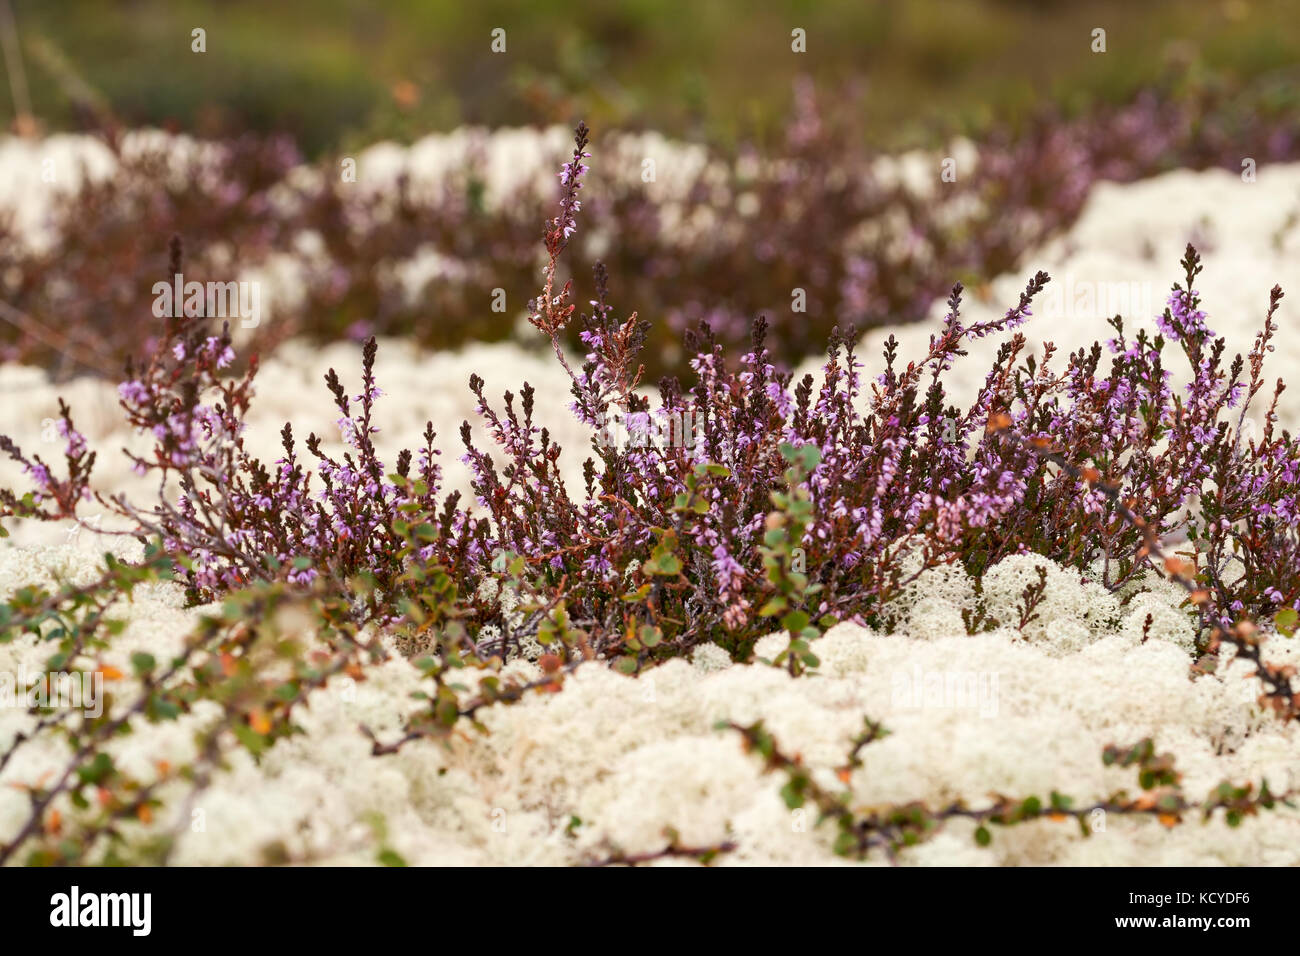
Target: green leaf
(98,768)
(250,738)
(663,562)
(160,709)
(640,594)
(845,843)
(982,836)
(389,857)
(795,621)
(546,632)
(1286,621)
(142,663)
(792,795)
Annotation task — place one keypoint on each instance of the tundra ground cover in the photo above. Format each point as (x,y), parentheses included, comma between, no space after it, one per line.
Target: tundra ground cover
(798,508)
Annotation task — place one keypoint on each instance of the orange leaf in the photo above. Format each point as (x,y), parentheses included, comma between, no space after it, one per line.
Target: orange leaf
(549,663)
(145,813)
(54,822)
(999,421)
(111,673)
(1168,819)
(258,721)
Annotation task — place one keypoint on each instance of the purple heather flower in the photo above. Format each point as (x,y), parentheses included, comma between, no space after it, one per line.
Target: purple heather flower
(134,393)
(1181,321)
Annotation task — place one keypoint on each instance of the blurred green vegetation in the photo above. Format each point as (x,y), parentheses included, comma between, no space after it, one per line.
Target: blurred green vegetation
(335,73)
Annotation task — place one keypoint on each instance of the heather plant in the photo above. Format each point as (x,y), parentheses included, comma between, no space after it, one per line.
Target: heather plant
(73,304)
(811,228)
(873,481)
(351,288)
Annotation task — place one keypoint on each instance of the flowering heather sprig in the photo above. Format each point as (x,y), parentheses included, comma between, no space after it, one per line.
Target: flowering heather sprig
(566,224)
(551,311)
(51,498)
